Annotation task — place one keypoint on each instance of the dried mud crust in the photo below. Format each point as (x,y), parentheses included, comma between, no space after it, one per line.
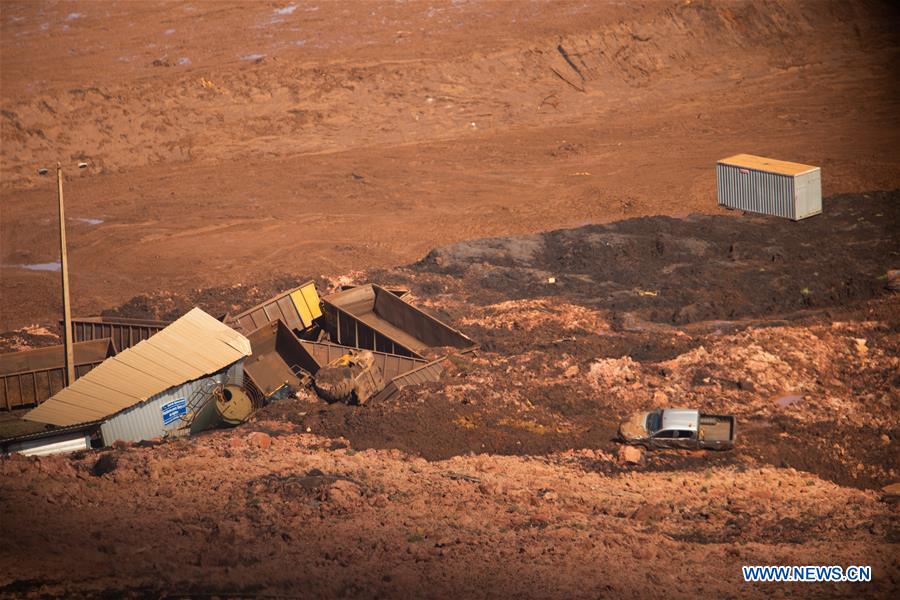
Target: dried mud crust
(220,515)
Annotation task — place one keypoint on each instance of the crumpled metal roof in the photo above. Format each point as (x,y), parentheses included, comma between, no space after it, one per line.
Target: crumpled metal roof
(193,346)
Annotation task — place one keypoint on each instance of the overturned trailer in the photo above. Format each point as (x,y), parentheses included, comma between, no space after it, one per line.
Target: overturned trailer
(372,318)
(31,377)
(280,360)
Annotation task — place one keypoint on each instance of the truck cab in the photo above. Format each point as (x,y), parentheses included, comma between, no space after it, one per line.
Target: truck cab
(679,428)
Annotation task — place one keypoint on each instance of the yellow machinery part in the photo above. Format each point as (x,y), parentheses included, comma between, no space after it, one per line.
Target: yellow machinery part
(234,405)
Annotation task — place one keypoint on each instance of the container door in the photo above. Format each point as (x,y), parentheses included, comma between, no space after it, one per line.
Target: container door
(800,197)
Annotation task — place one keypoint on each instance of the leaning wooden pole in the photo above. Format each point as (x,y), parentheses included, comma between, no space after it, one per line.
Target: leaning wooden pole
(67,310)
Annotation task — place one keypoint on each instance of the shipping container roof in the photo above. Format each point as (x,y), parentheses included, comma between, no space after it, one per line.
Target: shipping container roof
(193,346)
(769,165)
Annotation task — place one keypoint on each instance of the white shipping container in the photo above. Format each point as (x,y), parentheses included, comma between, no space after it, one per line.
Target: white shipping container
(769,186)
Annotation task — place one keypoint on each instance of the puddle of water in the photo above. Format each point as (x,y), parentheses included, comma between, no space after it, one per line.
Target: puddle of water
(184,60)
(52,266)
(253,56)
(74,15)
(169,31)
(88,221)
(788,400)
(290,8)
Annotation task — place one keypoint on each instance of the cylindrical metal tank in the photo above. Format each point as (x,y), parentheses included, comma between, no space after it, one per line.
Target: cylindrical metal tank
(227,406)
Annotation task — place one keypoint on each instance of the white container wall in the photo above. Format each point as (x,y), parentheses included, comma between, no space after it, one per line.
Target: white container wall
(768,186)
(159,415)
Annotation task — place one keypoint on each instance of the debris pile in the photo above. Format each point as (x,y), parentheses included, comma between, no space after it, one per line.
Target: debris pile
(198,372)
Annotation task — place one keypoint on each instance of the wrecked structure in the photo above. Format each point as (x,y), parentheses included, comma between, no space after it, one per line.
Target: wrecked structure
(297,308)
(123,332)
(281,361)
(155,388)
(360,344)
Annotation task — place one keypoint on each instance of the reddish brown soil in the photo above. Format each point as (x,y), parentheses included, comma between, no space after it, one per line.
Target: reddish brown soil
(226,180)
(351,144)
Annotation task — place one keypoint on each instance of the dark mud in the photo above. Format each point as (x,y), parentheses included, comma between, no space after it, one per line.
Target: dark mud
(702,268)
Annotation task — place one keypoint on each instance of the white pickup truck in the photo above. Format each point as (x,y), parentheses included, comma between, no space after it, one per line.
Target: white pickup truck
(678,428)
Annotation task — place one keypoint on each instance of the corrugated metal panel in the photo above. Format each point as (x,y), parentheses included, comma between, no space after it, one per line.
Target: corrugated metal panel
(31,377)
(125,333)
(64,442)
(193,346)
(791,196)
(144,421)
(297,308)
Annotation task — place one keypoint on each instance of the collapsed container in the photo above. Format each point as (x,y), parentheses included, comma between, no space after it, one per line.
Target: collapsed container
(372,318)
(279,358)
(154,388)
(31,377)
(297,308)
(124,332)
(398,371)
(768,186)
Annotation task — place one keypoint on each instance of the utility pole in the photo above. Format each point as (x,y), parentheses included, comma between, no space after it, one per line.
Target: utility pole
(67,311)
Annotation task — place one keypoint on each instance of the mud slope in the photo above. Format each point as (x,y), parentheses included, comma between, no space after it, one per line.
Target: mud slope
(220,516)
(274,97)
(221,159)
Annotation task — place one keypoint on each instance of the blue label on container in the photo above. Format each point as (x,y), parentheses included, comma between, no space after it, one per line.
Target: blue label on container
(174,410)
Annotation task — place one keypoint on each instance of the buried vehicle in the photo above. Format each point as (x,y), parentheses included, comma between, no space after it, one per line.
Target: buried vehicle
(678,428)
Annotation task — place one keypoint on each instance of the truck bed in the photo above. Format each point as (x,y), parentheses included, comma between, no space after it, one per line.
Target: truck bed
(716,428)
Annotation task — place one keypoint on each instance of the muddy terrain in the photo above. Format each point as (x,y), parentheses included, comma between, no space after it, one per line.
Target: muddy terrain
(505,477)
(321,137)
(541,176)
